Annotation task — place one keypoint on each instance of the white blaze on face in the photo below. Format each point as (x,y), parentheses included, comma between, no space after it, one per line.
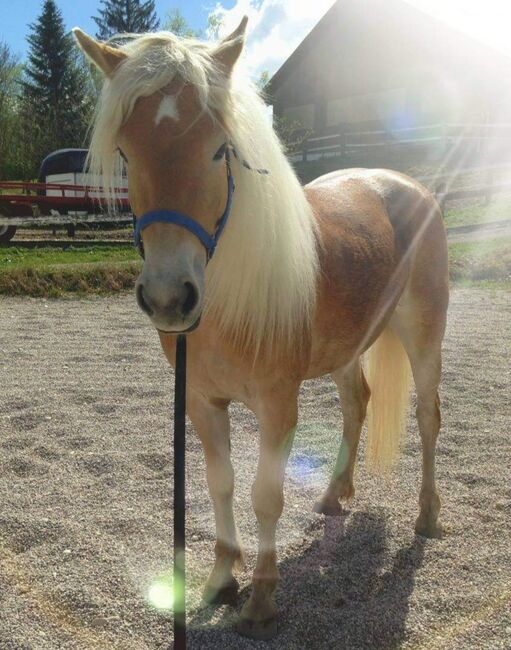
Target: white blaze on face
(167,108)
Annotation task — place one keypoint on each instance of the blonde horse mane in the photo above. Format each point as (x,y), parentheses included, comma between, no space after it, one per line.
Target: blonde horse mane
(261,284)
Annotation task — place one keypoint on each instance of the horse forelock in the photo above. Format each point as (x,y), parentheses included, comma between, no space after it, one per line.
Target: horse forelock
(261,284)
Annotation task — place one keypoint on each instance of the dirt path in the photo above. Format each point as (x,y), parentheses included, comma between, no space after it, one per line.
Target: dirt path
(85,480)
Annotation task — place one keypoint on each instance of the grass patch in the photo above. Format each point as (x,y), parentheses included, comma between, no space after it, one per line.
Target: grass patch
(53,272)
(485,262)
(491,285)
(498,210)
(17,258)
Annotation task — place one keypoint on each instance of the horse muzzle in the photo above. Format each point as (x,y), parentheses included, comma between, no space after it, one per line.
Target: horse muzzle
(172,309)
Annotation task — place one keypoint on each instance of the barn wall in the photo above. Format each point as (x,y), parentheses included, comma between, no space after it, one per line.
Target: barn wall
(385,63)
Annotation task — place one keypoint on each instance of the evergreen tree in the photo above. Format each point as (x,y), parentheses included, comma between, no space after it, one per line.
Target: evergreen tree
(56,106)
(126,16)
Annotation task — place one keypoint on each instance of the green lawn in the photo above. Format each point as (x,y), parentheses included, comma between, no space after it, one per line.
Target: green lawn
(486,262)
(498,210)
(53,272)
(16,258)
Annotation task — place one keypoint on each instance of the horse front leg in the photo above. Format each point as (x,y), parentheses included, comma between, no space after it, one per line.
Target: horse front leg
(211,421)
(277,417)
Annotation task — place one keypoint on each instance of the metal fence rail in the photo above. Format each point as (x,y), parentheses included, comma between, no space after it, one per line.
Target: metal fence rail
(453,147)
(344,141)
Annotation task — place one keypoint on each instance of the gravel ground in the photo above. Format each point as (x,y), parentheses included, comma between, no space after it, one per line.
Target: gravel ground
(85,488)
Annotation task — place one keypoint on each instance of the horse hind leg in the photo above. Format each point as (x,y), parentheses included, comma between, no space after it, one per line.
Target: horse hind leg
(423,343)
(354,394)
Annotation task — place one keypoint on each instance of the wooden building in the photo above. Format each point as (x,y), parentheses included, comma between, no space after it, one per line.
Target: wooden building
(384,64)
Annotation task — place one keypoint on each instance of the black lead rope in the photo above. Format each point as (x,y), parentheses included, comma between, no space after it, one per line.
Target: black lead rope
(179,581)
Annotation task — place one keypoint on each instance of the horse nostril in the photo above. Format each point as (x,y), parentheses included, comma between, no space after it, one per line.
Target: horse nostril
(141,300)
(191,298)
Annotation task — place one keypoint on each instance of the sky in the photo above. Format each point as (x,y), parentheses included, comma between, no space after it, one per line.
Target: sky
(276,27)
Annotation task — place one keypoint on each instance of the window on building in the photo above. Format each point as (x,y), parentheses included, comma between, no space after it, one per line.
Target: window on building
(303,114)
(386,106)
(444,101)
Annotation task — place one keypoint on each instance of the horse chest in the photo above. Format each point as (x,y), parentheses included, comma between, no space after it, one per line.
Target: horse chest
(212,373)
(215,376)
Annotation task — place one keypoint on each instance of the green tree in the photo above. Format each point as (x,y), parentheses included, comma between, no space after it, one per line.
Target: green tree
(10,127)
(263,80)
(55,105)
(126,17)
(215,23)
(176,23)
(291,132)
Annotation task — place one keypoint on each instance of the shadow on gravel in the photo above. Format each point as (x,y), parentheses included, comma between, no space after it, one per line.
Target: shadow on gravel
(346,590)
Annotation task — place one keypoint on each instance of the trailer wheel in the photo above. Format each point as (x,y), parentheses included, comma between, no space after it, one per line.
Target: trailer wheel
(7,233)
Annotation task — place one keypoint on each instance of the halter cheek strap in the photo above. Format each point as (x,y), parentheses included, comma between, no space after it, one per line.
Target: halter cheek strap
(184,221)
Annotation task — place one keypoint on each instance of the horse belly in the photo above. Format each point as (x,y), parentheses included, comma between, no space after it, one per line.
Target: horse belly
(362,277)
(349,327)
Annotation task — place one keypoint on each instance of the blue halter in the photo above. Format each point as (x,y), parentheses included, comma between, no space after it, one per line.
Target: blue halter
(179,219)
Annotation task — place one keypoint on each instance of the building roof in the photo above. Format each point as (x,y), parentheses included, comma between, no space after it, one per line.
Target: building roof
(338,18)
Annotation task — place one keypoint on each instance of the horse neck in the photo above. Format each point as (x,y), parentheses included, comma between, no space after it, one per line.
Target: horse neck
(261,284)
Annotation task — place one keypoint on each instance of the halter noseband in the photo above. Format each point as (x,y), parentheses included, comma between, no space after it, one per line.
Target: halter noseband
(179,219)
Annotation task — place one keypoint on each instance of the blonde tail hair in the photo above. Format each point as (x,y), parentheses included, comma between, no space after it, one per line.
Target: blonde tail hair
(389,377)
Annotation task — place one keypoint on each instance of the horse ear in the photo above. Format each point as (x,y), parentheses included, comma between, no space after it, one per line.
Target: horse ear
(230,48)
(106,57)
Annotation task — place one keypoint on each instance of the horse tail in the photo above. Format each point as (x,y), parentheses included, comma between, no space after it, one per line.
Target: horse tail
(389,378)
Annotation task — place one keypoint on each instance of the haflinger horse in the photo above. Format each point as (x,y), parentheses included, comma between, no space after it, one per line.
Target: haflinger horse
(304,281)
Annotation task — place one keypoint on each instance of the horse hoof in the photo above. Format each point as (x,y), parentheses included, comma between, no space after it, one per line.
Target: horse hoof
(226,595)
(330,508)
(432,531)
(258,630)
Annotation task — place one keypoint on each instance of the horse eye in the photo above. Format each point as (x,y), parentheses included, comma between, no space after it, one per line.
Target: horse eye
(220,153)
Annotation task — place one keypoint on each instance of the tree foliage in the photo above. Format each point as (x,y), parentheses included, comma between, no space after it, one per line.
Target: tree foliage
(215,24)
(177,24)
(126,17)
(292,133)
(263,80)
(10,131)
(56,106)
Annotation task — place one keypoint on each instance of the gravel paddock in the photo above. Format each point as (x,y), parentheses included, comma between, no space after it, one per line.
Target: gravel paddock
(85,495)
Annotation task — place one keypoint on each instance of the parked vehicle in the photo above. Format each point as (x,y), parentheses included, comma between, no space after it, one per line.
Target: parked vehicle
(63,196)
(7,233)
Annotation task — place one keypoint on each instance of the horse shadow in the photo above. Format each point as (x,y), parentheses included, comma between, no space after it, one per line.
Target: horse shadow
(349,590)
